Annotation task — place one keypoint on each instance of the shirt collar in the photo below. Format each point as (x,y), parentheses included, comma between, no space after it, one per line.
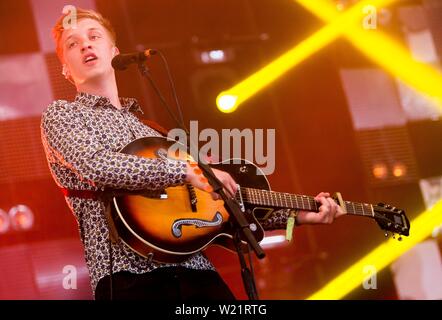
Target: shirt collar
(91,100)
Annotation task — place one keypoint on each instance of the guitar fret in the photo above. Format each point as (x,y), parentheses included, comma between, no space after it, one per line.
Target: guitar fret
(370,209)
(311,203)
(361,208)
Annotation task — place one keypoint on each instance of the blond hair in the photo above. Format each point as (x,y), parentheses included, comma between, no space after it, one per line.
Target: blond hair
(57,30)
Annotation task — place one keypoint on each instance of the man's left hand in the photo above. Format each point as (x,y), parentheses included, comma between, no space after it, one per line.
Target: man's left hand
(328,211)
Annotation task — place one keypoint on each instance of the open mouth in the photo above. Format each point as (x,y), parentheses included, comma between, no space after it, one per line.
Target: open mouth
(89,58)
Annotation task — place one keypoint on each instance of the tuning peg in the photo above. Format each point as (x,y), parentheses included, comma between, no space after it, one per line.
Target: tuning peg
(400,238)
(393,236)
(386,234)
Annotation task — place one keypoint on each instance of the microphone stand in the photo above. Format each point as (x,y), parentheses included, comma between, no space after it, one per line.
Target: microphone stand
(238,220)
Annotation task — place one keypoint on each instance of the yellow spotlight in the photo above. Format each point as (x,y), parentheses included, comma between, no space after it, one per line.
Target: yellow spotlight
(420,228)
(226,102)
(399,170)
(387,53)
(257,81)
(380,171)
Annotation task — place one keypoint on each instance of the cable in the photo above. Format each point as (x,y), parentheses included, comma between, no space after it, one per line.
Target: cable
(172,86)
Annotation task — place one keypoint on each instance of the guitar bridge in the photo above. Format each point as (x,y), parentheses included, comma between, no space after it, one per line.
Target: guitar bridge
(192,197)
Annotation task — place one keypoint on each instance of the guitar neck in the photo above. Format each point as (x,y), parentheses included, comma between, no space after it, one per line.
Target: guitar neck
(266,198)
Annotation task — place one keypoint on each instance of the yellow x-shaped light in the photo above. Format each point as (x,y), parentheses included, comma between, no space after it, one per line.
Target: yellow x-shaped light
(398,61)
(386,52)
(230,99)
(382,256)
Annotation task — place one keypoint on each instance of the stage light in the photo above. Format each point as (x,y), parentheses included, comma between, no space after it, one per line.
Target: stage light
(399,170)
(421,228)
(262,78)
(226,103)
(22,218)
(213,56)
(396,60)
(380,171)
(4,222)
(272,241)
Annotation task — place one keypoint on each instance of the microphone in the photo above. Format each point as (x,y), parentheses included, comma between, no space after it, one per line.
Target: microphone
(122,61)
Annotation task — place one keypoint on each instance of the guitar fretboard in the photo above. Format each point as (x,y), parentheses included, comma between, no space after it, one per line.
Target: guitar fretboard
(293,201)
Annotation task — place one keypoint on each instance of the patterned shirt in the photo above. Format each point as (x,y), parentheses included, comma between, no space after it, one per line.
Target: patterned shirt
(81,141)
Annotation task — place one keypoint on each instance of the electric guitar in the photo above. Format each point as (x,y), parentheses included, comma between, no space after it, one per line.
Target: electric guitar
(172,224)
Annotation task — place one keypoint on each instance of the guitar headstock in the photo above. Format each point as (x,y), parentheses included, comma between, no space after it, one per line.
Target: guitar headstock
(391,219)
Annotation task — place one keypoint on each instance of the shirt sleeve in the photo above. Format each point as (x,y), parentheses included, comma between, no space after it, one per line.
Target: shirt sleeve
(277,220)
(69,142)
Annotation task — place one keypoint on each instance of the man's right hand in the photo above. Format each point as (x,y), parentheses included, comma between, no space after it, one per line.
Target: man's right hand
(195,177)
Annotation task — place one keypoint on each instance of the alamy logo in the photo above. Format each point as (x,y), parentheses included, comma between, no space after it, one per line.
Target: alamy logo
(70,280)
(70,20)
(370,20)
(258,145)
(370,277)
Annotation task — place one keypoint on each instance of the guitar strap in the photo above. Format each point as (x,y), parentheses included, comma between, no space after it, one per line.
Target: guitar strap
(105,197)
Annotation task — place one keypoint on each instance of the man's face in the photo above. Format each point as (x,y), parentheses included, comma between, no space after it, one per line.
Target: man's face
(88,51)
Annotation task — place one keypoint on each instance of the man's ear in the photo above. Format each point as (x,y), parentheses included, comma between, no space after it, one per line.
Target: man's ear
(65,71)
(116,51)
